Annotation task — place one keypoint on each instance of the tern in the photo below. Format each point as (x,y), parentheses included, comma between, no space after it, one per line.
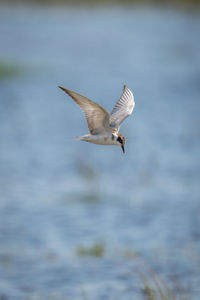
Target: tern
(104,127)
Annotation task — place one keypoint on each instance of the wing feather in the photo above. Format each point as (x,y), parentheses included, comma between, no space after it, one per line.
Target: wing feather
(123,108)
(97,117)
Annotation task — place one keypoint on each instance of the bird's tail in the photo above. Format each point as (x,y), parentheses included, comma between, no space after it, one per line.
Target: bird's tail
(77,138)
(82,138)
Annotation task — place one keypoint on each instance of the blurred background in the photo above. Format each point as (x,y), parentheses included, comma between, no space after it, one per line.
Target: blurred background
(82,221)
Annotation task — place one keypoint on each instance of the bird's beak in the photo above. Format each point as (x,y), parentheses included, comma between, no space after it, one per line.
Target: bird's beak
(122,146)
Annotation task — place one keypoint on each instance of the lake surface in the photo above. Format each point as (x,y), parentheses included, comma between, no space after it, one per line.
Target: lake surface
(59,197)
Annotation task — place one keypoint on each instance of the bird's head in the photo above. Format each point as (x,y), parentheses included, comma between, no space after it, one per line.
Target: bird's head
(122,141)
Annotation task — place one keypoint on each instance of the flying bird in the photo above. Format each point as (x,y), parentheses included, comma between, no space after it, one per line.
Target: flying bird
(103,126)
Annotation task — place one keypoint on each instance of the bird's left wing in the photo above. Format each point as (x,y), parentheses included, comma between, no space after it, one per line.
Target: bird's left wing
(97,117)
(122,109)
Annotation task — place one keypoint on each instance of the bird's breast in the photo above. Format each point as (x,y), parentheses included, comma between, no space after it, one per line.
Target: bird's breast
(103,140)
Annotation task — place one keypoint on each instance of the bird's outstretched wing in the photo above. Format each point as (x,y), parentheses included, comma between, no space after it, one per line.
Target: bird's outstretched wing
(97,117)
(122,109)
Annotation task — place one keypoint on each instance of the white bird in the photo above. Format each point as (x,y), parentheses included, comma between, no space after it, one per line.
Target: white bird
(104,127)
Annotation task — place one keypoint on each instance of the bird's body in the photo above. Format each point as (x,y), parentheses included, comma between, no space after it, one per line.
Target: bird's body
(103,126)
(100,139)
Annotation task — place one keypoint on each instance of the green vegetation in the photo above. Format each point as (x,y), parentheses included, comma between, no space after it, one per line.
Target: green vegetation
(153,286)
(96,250)
(149,293)
(9,70)
(157,293)
(130,254)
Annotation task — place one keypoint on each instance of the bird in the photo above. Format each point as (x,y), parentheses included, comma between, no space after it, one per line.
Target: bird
(104,126)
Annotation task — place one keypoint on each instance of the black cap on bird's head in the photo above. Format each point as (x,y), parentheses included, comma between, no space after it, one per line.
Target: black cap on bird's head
(121,139)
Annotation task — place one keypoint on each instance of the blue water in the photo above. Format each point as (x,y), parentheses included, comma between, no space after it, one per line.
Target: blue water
(58,195)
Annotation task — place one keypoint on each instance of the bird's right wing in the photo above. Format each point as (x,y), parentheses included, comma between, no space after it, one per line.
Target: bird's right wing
(97,117)
(122,109)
